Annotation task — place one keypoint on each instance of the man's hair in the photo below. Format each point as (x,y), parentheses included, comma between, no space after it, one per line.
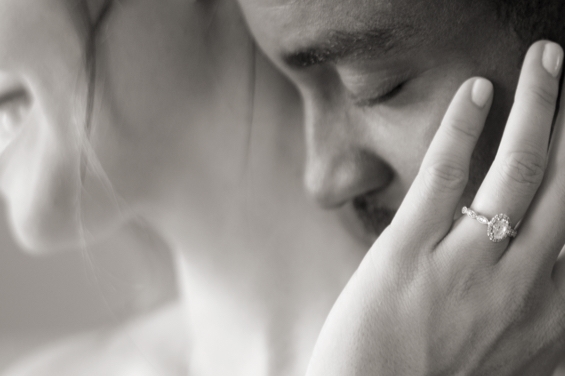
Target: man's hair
(534,19)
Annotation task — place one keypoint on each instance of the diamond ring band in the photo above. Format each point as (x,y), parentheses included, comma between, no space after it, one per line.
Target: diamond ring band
(499,227)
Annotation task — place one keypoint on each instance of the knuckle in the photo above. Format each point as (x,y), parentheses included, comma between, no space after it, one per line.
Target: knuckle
(524,167)
(462,129)
(560,301)
(560,187)
(445,176)
(541,95)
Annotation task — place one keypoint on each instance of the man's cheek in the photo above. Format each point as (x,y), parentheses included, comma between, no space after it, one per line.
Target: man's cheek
(409,136)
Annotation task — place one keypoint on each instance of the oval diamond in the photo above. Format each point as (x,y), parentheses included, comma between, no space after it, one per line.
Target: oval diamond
(498,228)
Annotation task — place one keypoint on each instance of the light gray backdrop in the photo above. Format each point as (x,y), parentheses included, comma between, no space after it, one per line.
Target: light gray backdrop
(44,298)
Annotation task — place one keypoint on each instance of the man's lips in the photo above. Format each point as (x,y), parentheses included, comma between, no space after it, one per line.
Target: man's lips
(374,216)
(366,217)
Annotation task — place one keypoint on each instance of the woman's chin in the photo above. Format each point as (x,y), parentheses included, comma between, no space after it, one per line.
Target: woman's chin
(39,236)
(48,233)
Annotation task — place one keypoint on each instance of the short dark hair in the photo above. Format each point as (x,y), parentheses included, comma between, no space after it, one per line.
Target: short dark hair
(534,19)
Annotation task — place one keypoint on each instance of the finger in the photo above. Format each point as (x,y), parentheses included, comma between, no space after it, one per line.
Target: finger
(518,168)
(542,232)
(558,273)
(430,204)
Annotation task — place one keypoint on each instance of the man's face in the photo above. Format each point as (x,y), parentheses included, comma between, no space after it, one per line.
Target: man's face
(376,77)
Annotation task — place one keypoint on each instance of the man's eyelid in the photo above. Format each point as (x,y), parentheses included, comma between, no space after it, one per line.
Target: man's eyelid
(362,101)
(365,91)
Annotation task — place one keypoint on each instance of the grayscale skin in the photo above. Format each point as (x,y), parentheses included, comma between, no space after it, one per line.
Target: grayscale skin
(259,265)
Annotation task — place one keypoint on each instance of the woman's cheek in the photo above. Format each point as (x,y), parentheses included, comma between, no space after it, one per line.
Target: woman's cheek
(56,197)
(36,178)
(40,168)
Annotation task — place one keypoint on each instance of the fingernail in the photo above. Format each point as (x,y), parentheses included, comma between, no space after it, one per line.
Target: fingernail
(552,58)
(481,92)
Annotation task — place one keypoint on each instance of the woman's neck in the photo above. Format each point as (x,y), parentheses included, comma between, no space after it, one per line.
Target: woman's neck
(256,307)
(259,265)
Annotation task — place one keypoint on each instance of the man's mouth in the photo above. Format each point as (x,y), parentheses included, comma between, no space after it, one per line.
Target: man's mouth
(366,218)
(374,216)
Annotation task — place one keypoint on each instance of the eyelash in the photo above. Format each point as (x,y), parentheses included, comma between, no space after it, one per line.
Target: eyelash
(388,95)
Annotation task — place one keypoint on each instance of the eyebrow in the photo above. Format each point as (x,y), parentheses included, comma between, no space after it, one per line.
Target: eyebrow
(338,45)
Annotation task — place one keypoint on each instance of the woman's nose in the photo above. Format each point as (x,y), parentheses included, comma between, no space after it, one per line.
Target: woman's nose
(339,164)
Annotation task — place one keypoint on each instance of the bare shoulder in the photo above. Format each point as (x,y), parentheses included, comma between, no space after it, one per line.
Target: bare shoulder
(149,345)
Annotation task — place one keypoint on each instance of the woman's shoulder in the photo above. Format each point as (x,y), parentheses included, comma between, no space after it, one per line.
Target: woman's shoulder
(72,355)
(148,345)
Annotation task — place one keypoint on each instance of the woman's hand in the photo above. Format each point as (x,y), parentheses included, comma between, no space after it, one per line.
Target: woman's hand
(437,297)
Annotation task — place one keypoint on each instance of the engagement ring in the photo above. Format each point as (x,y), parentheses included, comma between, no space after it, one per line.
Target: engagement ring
(499,227)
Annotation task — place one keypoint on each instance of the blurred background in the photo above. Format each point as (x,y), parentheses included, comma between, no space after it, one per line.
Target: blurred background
(46,298)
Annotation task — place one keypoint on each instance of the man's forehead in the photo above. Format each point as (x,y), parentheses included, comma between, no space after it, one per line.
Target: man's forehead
(295,24)
(302,15)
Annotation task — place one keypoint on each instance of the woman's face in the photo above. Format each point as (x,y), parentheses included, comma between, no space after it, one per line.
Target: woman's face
(168,95)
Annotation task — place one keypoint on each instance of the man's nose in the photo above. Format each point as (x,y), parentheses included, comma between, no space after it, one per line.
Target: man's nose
(339,163)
